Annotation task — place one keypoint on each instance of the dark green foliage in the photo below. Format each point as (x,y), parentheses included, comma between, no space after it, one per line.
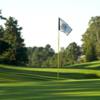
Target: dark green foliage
(21,56)
(3,46)
(90,53)
(1,32)
(12,49)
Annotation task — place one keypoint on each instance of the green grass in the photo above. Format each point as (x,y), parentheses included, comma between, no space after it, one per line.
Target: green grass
(88,65)
(21,83)
(51,90)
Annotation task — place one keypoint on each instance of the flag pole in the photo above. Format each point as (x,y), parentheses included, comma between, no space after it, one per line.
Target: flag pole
(58,59)
(63,27)
(58,54)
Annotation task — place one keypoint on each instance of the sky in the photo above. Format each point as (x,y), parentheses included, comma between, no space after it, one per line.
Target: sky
(39,19)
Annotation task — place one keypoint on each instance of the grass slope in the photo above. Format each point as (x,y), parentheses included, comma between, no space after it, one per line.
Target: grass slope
(20,83)
(88,65)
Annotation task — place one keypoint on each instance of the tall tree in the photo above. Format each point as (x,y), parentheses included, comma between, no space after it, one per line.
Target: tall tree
(91,39)
(17,53)
(3,45)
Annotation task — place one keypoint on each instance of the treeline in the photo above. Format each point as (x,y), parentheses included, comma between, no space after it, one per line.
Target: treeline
(14,52)
(46,57)
(39,56)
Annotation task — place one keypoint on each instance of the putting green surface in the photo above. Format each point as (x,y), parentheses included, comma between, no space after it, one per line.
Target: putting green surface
(20,83)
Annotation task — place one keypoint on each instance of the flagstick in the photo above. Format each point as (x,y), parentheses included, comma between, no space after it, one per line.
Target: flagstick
(63,27)
(58,54)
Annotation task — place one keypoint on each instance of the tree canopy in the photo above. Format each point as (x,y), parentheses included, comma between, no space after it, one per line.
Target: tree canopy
(91,39)
(12,44)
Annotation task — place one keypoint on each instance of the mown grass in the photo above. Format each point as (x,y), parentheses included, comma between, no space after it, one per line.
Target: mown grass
(21,83)
(88,65)
(51,90)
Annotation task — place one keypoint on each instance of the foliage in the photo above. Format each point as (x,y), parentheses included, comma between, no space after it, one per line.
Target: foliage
(12,44)
(38,56)
(91,39)
(72,52)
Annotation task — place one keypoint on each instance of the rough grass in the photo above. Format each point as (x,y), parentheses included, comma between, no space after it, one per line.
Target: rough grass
(21,83)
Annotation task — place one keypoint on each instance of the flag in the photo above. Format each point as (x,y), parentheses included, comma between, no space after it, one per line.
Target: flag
(63,26)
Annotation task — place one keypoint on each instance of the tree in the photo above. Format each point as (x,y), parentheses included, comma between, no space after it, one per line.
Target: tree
(40,56)
(72,53)
(1,32)
(91,39)
(2,43)
(51,62)
(3,46)
(17,52)
(30,52)
(98,50)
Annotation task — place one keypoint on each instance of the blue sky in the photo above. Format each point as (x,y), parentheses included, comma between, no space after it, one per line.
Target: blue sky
(39,19)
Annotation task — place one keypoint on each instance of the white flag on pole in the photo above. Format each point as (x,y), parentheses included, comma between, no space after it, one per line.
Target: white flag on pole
(63,26)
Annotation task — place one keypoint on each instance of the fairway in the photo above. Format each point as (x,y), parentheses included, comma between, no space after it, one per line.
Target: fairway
(21,83)
(51,90)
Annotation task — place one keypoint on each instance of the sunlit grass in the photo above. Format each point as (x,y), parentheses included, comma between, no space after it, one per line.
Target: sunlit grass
(87,65)
(85,93)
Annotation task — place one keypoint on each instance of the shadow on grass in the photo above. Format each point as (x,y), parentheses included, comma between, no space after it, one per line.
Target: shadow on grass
(12,75)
